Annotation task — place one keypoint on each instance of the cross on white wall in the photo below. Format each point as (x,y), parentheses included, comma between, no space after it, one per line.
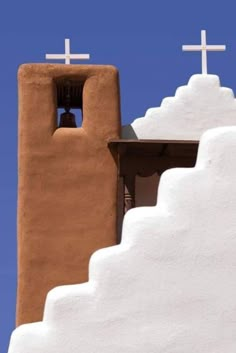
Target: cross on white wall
(203,48)
(67,56)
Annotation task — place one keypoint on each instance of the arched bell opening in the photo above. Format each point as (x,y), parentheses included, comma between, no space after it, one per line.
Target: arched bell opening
(69,103)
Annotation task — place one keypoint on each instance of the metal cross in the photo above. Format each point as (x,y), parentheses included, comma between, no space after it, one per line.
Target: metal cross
(203,48)
(67,56)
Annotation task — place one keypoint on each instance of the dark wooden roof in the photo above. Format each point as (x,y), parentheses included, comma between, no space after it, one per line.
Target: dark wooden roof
(154,147)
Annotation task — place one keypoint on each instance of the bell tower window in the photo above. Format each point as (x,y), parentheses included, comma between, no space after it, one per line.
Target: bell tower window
(69,103)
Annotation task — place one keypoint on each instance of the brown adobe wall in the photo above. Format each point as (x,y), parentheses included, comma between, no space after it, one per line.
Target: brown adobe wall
(67,181)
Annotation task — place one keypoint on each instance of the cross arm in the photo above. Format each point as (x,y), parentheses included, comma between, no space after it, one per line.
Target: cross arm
(55,56)
(80,56)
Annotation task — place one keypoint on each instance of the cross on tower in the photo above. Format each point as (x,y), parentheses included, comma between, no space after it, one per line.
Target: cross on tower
(67,56)
(203,48)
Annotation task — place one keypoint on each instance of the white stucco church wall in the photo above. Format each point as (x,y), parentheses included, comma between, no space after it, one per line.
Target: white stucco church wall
(201,105)
(170,286)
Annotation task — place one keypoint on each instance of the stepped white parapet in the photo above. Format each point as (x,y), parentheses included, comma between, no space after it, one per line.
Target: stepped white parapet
(170,286)
(201,105)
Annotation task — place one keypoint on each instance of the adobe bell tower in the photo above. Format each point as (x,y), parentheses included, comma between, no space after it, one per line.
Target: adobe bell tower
(67,177)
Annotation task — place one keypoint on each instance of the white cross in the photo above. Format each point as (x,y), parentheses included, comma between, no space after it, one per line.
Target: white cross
(67,56)
(204,48)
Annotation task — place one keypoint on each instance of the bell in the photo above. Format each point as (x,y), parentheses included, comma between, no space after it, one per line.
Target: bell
(67,119)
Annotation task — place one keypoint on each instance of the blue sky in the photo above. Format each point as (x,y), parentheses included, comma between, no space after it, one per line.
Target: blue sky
(142,38)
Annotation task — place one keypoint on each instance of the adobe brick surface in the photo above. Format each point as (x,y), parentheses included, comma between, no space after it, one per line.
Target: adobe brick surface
(67,180)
